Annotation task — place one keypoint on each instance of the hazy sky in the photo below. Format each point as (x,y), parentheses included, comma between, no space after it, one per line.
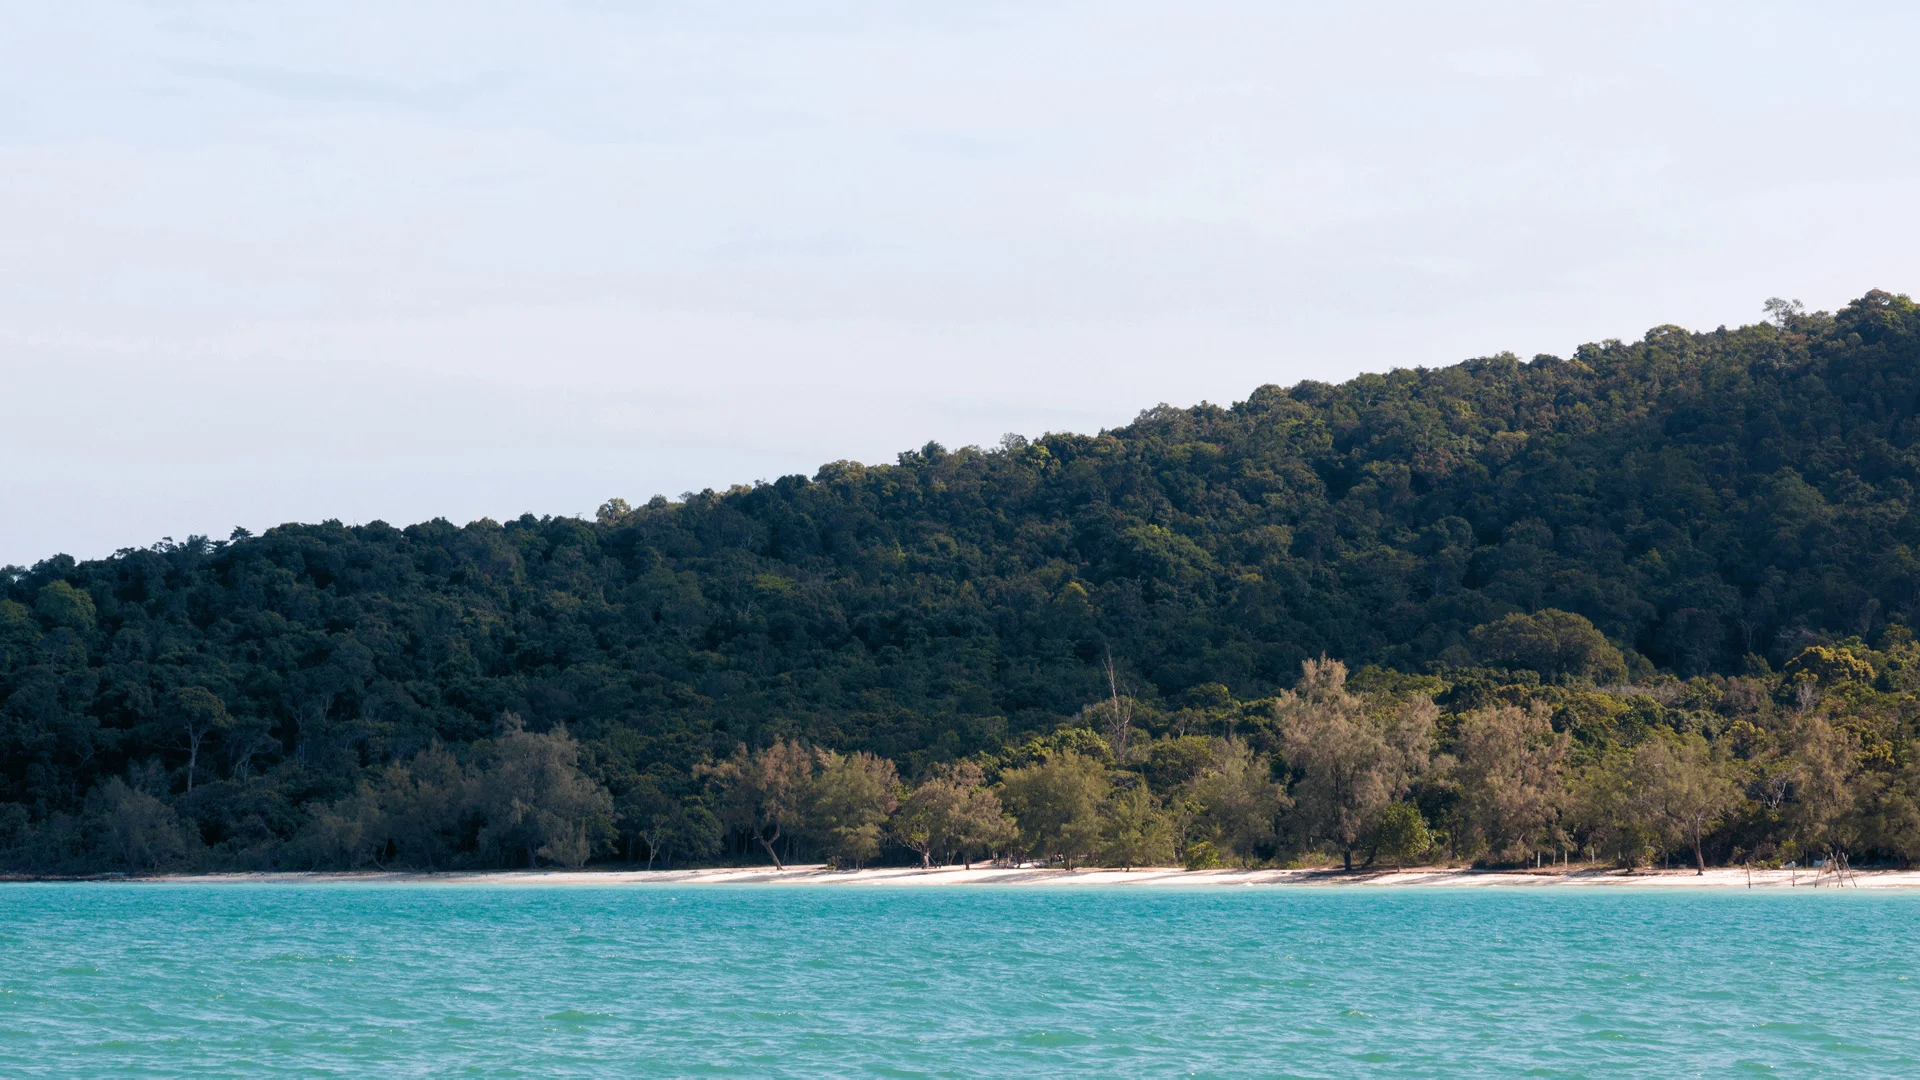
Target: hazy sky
(269,262)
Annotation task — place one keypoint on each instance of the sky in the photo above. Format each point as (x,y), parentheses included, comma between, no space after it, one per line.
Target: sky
(299,261)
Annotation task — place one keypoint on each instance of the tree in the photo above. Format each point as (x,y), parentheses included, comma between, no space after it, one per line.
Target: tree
(63,605)
(421,803)
(688,829)
(1057,805)
(981,826)
(1825,787)
(198,713)
(1783,312)
(1137,833)
(647,813)
(1116,717)
(1551,642)
(763,793)
(1351,762)
(343,833)
(1510,777)
(409,813)
(1607,811)
(847,802)
(535,800)
(1683,789)
(1893,811)
(952,812)
(922,819)
(140,831)
(1402,833)
(1235,801)
(248,738)
(1825,666)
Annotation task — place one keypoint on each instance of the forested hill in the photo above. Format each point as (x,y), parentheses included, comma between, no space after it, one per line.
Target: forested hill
(1712,502)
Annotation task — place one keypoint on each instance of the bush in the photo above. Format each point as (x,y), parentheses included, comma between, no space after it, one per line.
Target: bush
(1203,856)
(1402,834)
(1551,642)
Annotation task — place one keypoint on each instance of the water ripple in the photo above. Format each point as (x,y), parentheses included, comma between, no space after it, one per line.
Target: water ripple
(420,980)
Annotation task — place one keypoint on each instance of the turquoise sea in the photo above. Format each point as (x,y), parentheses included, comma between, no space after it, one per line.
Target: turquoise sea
(456,980)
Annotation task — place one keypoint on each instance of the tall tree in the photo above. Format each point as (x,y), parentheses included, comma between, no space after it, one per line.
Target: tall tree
(952,812)
(1512,788)
(1352,760)
(1136,832)
(535,799)
(848,800)
(1234,801)
(763,793)
(1685,791)
(1057,803)
(198,712)
(1826,791)
(1605,811)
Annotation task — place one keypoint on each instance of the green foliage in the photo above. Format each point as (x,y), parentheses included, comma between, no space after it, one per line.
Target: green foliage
(1552,643)
(764,793)
(534,799)
(848,802)
(1233,802)
(1828,666)
(60,604)
(1402,835)
(1058,804)
(1202,856)
(1352,755)
(954,814)
(1136,832)
(139,831)
(651,817)
(1511,774)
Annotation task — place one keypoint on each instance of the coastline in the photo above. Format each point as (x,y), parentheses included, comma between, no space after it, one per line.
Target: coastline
(1163,877)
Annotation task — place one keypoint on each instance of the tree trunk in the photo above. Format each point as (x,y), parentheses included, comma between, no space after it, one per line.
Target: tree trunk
(771,854)
(1699,858)
(1349,856)
(193,757)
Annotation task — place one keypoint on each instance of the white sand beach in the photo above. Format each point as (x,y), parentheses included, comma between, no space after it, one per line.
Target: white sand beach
(1453,877)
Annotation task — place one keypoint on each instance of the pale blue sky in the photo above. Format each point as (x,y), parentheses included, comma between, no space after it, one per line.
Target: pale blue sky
(269,262)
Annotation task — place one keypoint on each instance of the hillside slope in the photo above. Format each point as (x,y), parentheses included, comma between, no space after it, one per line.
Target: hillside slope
(1712,501)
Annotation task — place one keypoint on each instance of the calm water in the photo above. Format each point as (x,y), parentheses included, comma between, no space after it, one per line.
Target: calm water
(168,980)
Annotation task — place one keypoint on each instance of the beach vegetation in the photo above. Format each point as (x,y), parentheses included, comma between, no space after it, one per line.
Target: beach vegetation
(848,802)
(1401,836)
(1057,804)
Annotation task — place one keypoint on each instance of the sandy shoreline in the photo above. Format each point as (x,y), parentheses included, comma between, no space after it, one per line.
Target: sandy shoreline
(1731,878)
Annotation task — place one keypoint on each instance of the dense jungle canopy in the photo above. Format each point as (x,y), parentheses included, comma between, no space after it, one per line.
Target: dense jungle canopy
(1713,504)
